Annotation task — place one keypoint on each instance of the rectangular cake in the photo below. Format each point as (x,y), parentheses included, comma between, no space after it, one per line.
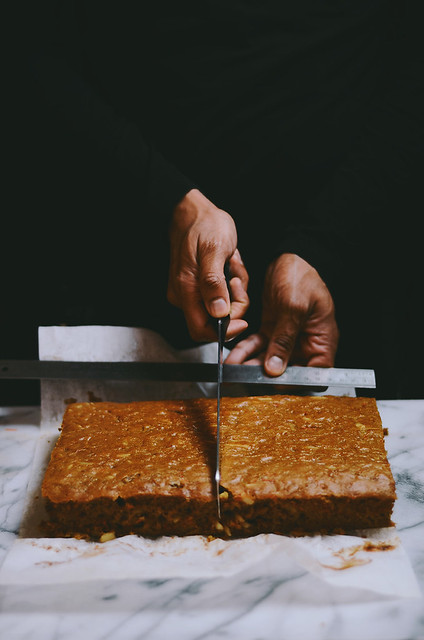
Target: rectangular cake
(289,465)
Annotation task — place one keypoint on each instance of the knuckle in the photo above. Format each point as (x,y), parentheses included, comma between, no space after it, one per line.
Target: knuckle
(181,278)
(244,279)
(238,310)
(298,309)
(284,342)
(211,280)
(241,350)
(184,282)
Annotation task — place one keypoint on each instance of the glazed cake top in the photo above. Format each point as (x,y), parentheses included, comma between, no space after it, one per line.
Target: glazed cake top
(271,447)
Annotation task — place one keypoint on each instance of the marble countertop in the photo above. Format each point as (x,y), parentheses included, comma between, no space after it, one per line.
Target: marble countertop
(292,606)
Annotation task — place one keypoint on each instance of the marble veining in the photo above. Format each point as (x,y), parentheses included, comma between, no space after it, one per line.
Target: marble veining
(293,605)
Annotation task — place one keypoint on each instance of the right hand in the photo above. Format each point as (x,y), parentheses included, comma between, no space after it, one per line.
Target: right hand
(298,320)
(202,239)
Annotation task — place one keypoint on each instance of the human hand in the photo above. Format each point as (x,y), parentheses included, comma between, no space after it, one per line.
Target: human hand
(202,239)
(298,320)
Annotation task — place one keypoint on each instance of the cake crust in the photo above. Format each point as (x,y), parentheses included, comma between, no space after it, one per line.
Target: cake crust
(289,464)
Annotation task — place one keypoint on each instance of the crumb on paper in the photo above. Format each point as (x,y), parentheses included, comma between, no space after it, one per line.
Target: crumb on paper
(380,546)
(347,557)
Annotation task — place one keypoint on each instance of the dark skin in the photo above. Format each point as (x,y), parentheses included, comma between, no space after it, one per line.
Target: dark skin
(298,315)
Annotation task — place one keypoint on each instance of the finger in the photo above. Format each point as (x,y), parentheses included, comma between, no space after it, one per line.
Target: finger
(321,360)
(213,288)
(246,349)
(239,298)
(237,269)
(258,361)
(319,353)
(189,301)
(281,344)
(182,286)
(317,344)
(235,327)
(199,323)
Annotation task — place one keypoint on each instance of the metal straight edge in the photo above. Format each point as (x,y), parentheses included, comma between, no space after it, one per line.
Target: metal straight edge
(184,372)
(303,376)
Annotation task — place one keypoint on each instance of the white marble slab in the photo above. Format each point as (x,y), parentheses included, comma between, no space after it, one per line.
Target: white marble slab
(272,604)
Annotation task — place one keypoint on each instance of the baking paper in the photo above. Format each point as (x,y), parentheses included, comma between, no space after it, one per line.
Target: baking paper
(373,560)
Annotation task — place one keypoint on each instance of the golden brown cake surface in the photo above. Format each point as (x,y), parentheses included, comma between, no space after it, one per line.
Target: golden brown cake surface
(288,464)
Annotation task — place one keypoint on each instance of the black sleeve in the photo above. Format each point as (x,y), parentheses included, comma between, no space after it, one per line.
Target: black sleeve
(383,169)
(56,69)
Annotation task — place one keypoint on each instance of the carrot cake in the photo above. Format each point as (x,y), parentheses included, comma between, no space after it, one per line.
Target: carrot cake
(289,465)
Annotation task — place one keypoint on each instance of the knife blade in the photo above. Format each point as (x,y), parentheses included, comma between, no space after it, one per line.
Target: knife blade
(222,326)
(185,372)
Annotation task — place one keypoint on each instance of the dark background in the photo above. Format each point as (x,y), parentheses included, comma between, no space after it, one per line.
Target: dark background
(75,252)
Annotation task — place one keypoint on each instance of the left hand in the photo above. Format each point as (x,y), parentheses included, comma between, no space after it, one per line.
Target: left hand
(298,320)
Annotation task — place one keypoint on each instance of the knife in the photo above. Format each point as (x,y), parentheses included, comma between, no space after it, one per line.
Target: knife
(185,372)
(222,326)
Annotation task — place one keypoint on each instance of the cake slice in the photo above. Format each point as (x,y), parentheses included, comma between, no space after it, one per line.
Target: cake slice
(289,465)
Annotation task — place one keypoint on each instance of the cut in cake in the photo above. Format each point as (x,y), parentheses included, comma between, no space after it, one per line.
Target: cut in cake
(289,465)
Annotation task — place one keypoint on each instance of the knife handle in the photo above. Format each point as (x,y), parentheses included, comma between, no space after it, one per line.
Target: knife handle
(227,279)
(227,276)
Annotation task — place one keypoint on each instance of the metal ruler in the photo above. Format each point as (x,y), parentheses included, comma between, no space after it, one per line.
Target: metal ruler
(185,372)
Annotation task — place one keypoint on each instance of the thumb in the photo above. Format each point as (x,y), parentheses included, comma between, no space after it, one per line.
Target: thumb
(281,344)
(213,286)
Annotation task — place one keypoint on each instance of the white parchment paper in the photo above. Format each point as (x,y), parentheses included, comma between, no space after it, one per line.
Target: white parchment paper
(373,560)
(376,562)
(112,344)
